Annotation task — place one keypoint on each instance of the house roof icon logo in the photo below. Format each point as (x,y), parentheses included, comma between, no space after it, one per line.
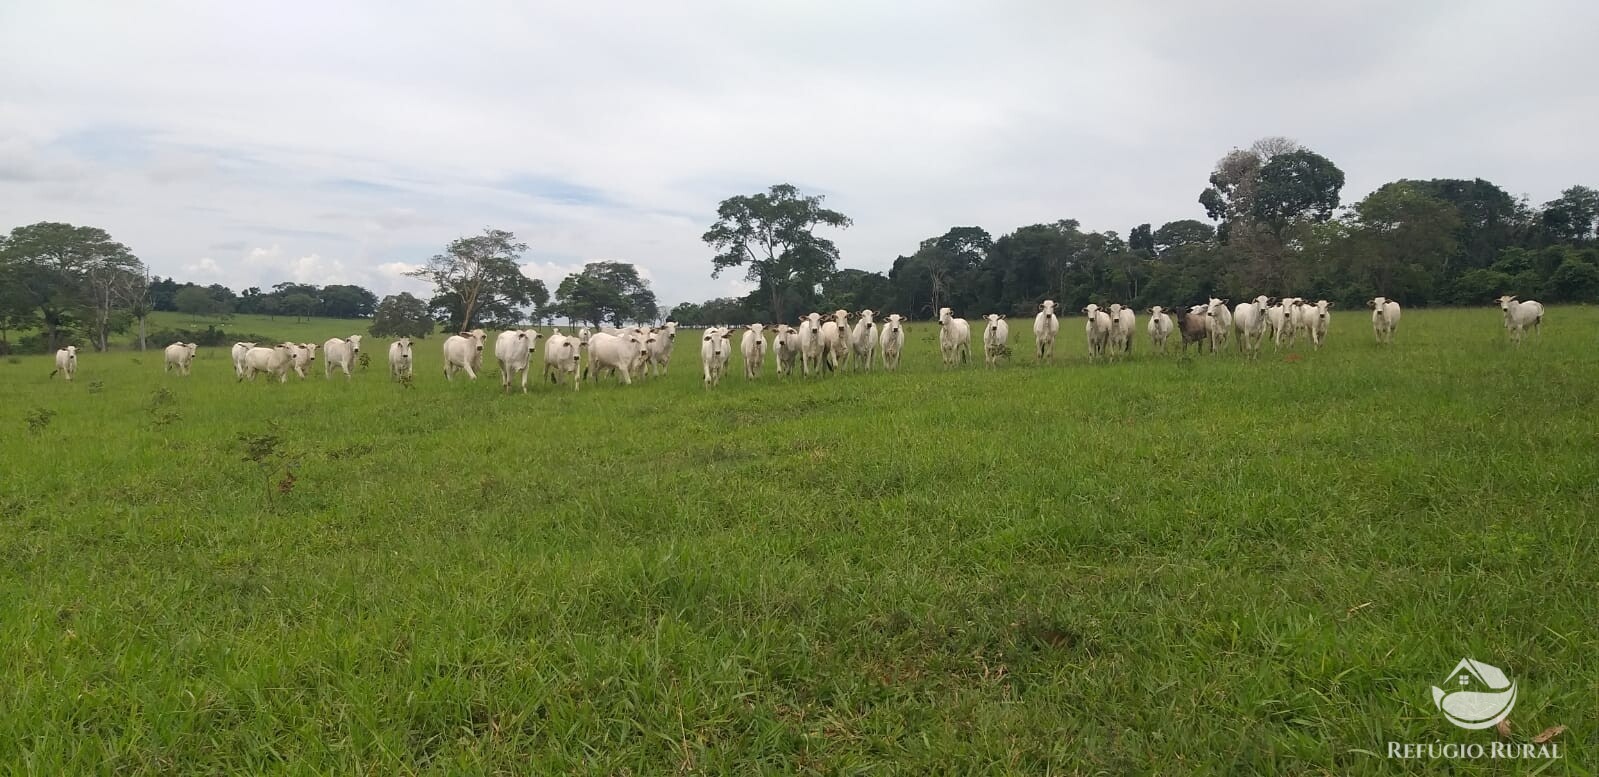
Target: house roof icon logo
(1478,695)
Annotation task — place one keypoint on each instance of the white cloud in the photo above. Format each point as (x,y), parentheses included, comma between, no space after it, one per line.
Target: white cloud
(293,128)
(206,268)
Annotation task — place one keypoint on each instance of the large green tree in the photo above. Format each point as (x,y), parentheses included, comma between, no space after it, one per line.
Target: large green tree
(478,280)
(53,269)
(606,291)
(772,236)
(401,315)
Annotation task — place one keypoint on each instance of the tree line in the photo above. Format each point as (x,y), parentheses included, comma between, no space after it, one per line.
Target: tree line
(1274,224)
(76,285)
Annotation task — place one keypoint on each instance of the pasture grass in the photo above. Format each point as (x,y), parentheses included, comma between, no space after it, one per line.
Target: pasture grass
(1159,566)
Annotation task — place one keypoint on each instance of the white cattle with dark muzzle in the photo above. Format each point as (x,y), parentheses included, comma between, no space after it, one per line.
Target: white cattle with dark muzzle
(954,337)
(1520,316)
(1046,327)
(400,358)
(513,349)
(562,355)
(1384,319)
(863,339)
(716,345)
(613,353)
(340,353)
(464,353)
(893,341)
(752,344)
(275,361)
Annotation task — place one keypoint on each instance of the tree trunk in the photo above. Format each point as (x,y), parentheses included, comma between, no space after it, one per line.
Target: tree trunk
(141,332)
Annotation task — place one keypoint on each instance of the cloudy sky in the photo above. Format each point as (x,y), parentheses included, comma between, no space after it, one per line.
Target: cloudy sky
(251,142)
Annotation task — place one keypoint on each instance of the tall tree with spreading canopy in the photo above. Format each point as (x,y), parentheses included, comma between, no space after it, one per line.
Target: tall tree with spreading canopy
(606,291)
(772,235)
(478,280)
(401,315)
(50,266)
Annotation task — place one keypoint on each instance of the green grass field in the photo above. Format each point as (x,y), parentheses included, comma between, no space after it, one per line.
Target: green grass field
(1161,566)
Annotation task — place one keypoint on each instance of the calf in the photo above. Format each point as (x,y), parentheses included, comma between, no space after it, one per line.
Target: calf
(1193,325)
(66,362)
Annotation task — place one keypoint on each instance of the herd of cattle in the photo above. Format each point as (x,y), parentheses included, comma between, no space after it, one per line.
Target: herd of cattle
(831,344)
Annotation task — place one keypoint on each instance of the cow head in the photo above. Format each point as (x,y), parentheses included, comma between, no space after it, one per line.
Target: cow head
(1505,302)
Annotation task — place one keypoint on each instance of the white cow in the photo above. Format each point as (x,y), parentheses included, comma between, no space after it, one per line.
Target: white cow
(716,345)
(1097,330)
(305,356)
(1277,321)
(562,354)
(1124,319)
(893,341)
(514,348)
(835,340)
(341,353)
(239,350)
(863,340)
(1250,320)
(786,345)
(464,352)
(1219,322)
(810,337)
(954,337)
(1160,328)
(1046,326)
(66,362)
(1317,318)
(1300,317)
(1519,315)
(1384,319)
(753,347)
(996,339)
(274,361)
(400,358)
(613,353)
(659,353)
(179,355)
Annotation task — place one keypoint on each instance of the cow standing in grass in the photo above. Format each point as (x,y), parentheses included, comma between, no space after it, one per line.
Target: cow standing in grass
(179,356)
